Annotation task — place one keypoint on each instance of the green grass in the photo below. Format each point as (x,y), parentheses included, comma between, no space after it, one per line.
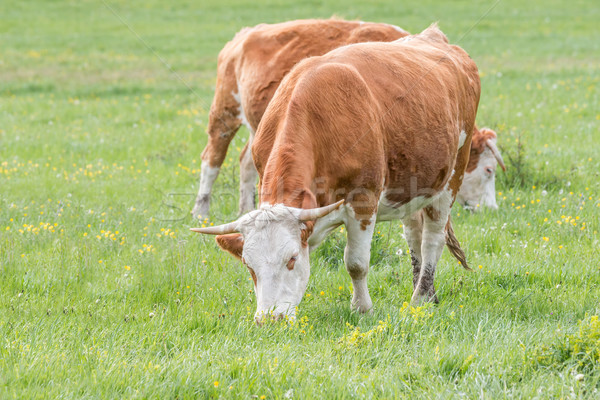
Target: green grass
(97,136)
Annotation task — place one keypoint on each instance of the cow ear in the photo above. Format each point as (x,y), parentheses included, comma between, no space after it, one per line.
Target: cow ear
(233,243)
(489,132)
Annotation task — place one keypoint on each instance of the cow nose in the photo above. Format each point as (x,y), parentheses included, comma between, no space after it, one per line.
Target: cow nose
(490,202)
(261,319)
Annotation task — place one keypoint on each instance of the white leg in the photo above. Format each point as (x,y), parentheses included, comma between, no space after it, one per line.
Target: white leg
(248,178)
(208,175)
(356,257)
(223,124)
(413,233)
(433,241)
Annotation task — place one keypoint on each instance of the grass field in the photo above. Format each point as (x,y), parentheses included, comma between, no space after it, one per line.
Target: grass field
(104,292)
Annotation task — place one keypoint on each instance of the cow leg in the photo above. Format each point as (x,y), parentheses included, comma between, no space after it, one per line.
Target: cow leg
(208,175)
(435,217)
(413,233)
(212,158)
(248,177)
(356,257)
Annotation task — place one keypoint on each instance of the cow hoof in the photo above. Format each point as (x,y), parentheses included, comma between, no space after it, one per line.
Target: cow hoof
(201,208)
(420,299)
(362,307)
(199,213)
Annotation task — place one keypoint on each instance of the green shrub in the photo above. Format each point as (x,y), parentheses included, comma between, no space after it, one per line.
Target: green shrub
(581,349)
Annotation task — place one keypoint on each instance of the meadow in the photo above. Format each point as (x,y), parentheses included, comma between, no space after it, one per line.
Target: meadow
(105,293)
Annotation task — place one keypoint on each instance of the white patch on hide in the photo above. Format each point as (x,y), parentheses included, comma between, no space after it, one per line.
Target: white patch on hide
(241,113)
(462,138)
(398,28)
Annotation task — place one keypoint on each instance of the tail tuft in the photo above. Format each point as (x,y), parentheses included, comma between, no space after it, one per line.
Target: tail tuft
(454,246)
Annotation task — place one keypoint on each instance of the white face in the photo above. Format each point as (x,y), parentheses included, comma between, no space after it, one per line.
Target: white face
(478,188)
(273,251)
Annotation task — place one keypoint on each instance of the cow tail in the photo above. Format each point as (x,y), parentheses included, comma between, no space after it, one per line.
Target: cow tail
(454,245)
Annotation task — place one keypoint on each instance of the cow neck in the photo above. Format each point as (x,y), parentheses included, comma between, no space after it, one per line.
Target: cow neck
(287,178)
(287,181)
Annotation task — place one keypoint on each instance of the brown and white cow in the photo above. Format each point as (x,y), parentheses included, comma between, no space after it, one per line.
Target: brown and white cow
(249,70)
(251,67)
(385,129)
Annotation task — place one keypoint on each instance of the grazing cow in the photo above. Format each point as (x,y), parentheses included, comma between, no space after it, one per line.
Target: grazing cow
(382,128)
(250,68)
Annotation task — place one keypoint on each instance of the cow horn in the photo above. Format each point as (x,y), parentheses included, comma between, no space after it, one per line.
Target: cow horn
(490,143)
(231,227)
(315,213)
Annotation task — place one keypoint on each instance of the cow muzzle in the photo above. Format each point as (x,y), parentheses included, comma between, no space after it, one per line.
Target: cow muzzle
(286,313)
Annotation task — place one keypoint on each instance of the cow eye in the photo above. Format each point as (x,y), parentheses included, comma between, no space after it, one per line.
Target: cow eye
(290,264)
(489,170)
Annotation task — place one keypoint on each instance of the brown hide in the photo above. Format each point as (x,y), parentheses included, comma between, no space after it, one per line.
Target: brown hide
(255,61)
(367,118)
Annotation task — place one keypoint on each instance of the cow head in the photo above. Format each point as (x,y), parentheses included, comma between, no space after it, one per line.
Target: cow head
(478,188)
(269,241)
